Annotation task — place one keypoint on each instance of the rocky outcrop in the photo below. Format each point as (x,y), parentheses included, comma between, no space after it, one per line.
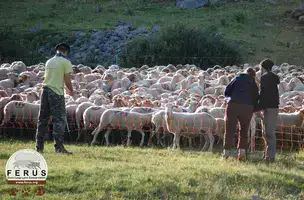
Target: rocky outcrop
(298,13)
(100,46)
(191,4)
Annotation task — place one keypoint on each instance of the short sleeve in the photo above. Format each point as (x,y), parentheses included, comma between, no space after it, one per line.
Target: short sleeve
(68,67)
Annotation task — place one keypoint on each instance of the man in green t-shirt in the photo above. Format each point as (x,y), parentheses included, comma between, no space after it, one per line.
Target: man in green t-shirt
(57,73)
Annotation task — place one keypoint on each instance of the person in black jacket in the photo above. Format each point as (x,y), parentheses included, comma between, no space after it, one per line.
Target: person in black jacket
(244,94)
(269,103)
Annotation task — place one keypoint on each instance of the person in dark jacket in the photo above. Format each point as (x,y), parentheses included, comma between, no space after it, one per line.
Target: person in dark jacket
(269,103)
(243,96)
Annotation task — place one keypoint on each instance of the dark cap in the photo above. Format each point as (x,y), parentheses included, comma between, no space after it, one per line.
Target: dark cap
(66,46)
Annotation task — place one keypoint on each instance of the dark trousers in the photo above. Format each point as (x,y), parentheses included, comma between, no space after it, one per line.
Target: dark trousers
(53,105)
(270,122)
(235,113)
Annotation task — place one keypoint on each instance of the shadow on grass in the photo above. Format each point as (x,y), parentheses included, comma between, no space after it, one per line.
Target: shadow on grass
(4,156)
(294,183)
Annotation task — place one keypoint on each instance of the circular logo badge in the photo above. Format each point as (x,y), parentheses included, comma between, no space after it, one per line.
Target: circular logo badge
(26,166)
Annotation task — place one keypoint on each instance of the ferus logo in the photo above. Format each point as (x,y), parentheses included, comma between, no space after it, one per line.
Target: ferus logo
(26,167)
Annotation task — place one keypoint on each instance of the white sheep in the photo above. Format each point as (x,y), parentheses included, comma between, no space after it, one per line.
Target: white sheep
(79,113)
(4,73)
(118,119)
(169,85)
(18,67)
(189,124)
(23,112)
(10,82)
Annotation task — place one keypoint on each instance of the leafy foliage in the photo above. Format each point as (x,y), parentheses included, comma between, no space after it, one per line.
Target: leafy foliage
(180,45)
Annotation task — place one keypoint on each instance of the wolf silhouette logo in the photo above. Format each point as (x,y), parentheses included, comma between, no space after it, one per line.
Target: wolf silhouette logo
(26,167)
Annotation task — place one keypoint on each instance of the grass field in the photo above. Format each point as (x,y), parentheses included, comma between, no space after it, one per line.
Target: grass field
(260,28)
(134,173)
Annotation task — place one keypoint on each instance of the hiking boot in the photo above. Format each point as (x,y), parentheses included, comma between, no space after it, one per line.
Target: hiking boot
(39,150)
(268,161)
(63,151)
(241,154)
(40,147)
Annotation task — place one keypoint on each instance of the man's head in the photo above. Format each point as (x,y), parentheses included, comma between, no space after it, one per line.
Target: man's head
(63,48)
(266,65)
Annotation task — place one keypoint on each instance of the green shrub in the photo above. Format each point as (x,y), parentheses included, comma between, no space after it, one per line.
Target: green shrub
(239,17)
(223,22)
(25,45)
(180,45)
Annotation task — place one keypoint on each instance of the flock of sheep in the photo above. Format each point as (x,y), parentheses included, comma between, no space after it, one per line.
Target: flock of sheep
(180,100)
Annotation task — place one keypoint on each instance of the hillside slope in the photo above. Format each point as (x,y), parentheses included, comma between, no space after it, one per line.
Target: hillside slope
(260,28)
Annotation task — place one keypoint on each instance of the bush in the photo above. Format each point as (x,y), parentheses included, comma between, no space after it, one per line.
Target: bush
(179,45)
(25,45)
(240,17)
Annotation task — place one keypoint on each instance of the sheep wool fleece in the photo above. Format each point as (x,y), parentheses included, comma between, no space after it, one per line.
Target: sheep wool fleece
(53,105)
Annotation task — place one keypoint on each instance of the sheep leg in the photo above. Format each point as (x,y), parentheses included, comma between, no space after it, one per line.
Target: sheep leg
(174,141)
(159,142)
(201,141)
(252,135)
(206,142)
(107,137)
(211,141)
(79,135)
(178,140)
(129,137)
(263,135)
(153,133)
(150,138)
(85,135)
(95,133)
(142,138)
(190,142)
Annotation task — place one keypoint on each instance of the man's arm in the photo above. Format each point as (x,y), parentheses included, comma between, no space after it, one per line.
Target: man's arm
(255,95)
(262,94)
(67,77)
(68,83)
(278,80)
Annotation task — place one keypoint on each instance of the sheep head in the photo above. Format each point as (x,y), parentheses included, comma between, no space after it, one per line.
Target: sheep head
(31,96)
(168,110)
(118,102)
(16,97)
(132,77)
(3,93)
(147,103)
(156,103)
(171,68)
(13,76)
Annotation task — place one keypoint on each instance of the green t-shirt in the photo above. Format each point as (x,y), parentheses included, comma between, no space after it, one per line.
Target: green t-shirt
(55,68)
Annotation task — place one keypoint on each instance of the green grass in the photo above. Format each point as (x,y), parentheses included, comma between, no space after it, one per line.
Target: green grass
(134,173)
(243,21)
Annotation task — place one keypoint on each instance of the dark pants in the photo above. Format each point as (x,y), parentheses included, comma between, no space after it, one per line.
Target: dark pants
(235,113)
(53,105)
(270,122)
